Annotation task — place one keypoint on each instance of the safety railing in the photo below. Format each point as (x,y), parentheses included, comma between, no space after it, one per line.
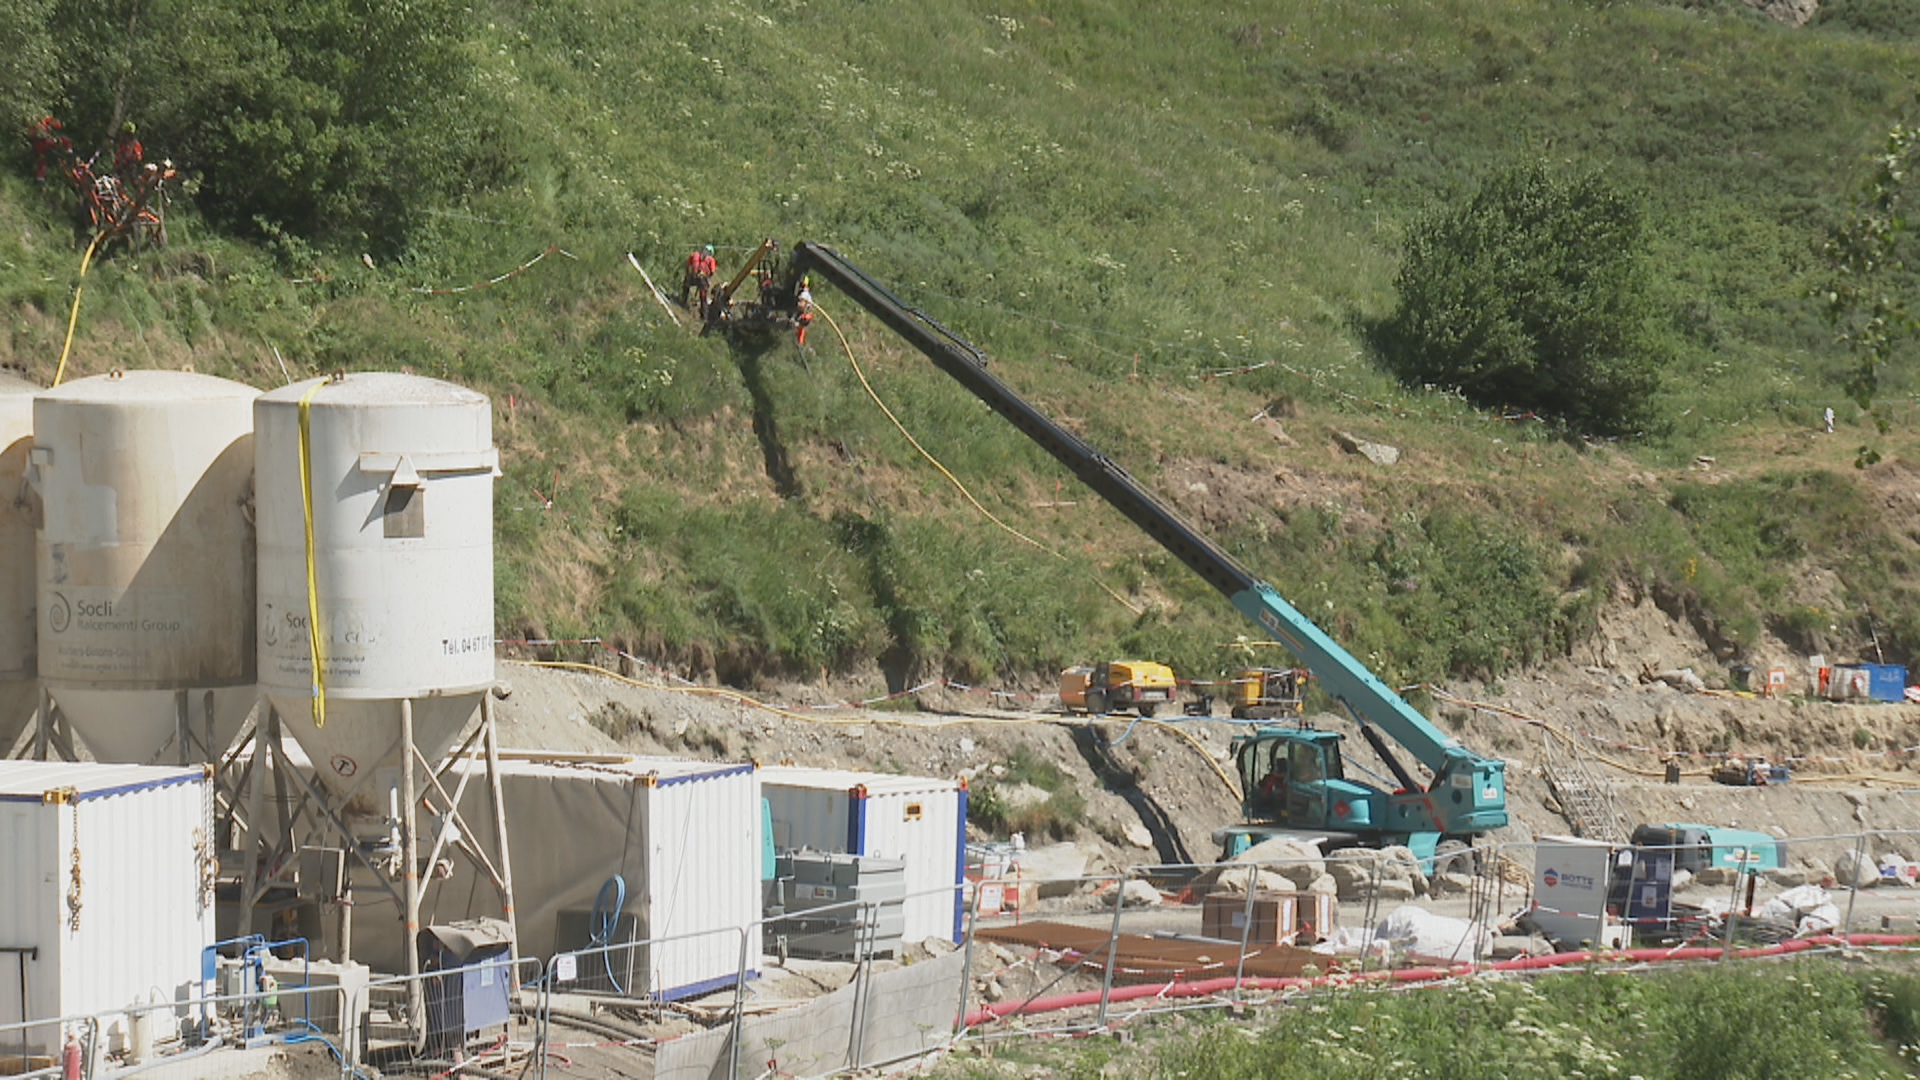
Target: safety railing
(128,1041)
(1034,955)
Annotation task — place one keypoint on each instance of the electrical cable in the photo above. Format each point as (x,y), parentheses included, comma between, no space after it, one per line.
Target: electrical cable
(935,462)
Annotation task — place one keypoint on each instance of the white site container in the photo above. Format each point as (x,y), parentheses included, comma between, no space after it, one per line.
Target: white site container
(683,836)
(145,556)
(1572,881)
(130,844)
(19,690)
(400,489)
(919,820)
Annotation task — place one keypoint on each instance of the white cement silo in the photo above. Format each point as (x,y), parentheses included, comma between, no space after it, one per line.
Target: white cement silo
(145,559)
(19,691)
(401,497)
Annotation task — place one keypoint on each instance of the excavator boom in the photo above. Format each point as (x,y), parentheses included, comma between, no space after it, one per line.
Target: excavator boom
(1468,792)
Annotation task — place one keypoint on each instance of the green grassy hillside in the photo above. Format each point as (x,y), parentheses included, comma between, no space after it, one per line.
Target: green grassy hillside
(1170,227)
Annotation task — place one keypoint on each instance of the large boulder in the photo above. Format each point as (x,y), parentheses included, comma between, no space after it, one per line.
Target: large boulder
(1352,878)
(1232,881)
(1399,863)
(1398,890)
(1391,872)
(1853,870)
(1296,860)
(1057,869)
(1719,877)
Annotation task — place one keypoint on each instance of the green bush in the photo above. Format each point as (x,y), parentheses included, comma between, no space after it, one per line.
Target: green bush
(1532,294)
(1112,203)
(334,120)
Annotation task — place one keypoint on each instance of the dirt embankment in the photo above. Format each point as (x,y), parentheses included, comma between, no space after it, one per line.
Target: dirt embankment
(1156,791)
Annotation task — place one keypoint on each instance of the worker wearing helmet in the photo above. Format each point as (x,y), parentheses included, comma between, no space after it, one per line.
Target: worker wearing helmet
(48,142)
(803,316)
(127,153)
(699,276)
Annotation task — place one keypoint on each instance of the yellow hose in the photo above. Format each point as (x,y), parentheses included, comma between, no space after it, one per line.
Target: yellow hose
(954,480)
(313,574)
(73,317)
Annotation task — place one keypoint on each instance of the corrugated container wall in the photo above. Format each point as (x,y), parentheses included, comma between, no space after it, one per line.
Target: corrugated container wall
(683,836)
(110,881)
(917,819)
(19,690)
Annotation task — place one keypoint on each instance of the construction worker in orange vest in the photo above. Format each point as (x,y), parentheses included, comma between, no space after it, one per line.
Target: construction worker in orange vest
(804,318)
(45,136)
(699,276)
(127,154)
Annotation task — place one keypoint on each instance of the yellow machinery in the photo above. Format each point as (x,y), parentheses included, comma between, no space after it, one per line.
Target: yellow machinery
(1265,693)
(1114,685)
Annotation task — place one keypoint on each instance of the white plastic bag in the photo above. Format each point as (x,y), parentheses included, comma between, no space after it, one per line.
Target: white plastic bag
(1436,937)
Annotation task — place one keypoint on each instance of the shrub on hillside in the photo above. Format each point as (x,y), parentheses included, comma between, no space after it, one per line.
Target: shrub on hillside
(323,119)
(1532,294)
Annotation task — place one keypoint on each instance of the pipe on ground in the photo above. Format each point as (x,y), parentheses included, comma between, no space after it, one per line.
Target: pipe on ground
(1208,987)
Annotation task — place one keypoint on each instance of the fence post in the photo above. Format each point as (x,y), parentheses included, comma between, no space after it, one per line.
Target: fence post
(1113,945)
(1370,906)
(1853,890)
(543,1016)
(966,963)
(1246,928)
(739,1007)
(863,996)
(1733,914)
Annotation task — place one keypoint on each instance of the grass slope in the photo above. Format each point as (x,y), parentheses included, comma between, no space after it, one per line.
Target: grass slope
(1116,202)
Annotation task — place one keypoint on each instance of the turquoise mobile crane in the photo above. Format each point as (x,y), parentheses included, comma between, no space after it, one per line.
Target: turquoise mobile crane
(1292,777)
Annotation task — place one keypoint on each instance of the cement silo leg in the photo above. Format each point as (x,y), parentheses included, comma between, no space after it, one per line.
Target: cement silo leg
(500,829)
(256,806)
(183,723)
(409,856)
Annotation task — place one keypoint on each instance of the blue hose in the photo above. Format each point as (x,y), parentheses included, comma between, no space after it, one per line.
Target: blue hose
(600,929)
(314,1035)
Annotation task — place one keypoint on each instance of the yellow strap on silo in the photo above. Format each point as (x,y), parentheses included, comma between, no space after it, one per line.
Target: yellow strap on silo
(73,316)
(313,576)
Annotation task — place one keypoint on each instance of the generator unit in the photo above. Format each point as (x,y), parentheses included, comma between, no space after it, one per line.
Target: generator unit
(840,907)
(1594,894)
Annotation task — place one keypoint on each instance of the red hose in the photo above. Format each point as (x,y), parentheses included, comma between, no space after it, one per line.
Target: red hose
(1202,988)
(1208,987)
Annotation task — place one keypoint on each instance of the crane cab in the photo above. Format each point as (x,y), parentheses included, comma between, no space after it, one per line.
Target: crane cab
(1294,779)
